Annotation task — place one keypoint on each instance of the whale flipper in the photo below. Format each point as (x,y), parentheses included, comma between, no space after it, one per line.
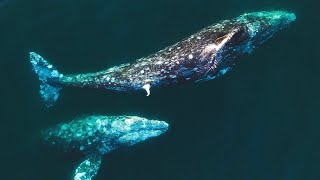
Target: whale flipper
(88,168)
(147,88)
(48,76)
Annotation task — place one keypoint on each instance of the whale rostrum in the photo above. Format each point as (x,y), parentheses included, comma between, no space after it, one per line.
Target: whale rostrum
(98,135)
(202,56)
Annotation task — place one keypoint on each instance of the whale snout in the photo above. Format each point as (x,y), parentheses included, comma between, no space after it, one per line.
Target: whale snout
(261,26)
(278,19)
(141,130)
(158,125)
(288,16)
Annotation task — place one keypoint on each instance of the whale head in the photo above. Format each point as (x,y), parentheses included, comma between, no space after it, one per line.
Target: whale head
(135,129)
(261,26)
(248,31)
(240,36)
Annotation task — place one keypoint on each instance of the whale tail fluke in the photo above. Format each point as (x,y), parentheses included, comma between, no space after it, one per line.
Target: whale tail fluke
(49,78)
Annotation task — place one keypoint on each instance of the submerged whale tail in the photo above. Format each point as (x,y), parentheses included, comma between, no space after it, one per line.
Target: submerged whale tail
(49,78)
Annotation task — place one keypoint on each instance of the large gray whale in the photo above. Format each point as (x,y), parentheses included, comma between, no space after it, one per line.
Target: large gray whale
(205,55)
(98,135)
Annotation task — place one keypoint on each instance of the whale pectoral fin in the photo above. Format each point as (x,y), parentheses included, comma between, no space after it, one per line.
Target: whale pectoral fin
(88,168)
(221,41)
(147,88)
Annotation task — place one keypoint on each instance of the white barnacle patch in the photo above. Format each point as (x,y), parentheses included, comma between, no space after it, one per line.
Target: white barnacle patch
(111,70)
(34,62)
(98,123)
(54,73)
(198,37)
(253,28)
(209,49)
(64,127)
(143,63)
(129,121)
(190,56)
(147,88)
(79,175)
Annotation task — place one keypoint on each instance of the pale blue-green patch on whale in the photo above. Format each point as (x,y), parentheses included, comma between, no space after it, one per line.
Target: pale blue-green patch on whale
(88,168)
(98,135)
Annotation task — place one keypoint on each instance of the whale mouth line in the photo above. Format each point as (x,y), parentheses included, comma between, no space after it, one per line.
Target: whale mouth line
(148,131)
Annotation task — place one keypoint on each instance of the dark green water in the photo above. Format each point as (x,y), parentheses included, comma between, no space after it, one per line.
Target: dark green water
(259,122)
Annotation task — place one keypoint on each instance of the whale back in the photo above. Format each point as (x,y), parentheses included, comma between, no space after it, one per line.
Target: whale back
(86,134)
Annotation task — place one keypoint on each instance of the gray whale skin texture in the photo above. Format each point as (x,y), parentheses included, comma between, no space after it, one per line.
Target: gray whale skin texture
(98,135)
(205,55)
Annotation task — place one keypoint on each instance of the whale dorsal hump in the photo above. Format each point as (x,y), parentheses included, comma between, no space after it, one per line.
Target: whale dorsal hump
(88,168)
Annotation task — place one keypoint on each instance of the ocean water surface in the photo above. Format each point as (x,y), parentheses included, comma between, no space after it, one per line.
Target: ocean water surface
(261,121)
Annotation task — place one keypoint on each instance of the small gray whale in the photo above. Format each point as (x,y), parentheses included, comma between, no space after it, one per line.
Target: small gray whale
(205,55)
(98,135)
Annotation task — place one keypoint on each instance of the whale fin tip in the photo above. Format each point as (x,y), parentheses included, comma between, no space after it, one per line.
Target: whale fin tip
(147,88)
(88,168)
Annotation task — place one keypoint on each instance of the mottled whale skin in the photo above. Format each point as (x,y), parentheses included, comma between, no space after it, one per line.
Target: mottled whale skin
(98,135)
(205,55)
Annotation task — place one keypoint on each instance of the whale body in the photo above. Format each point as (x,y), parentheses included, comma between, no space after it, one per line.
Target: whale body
(204,55)
(98,135)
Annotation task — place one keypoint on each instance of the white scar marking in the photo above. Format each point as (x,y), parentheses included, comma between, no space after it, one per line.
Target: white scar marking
(129,121)
(211,48)
(147,88)
(226,39)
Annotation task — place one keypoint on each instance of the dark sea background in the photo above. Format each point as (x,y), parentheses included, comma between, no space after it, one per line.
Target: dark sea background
(259,122)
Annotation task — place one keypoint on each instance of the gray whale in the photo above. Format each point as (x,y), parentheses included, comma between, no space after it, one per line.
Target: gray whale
(204,55)
(99,135)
